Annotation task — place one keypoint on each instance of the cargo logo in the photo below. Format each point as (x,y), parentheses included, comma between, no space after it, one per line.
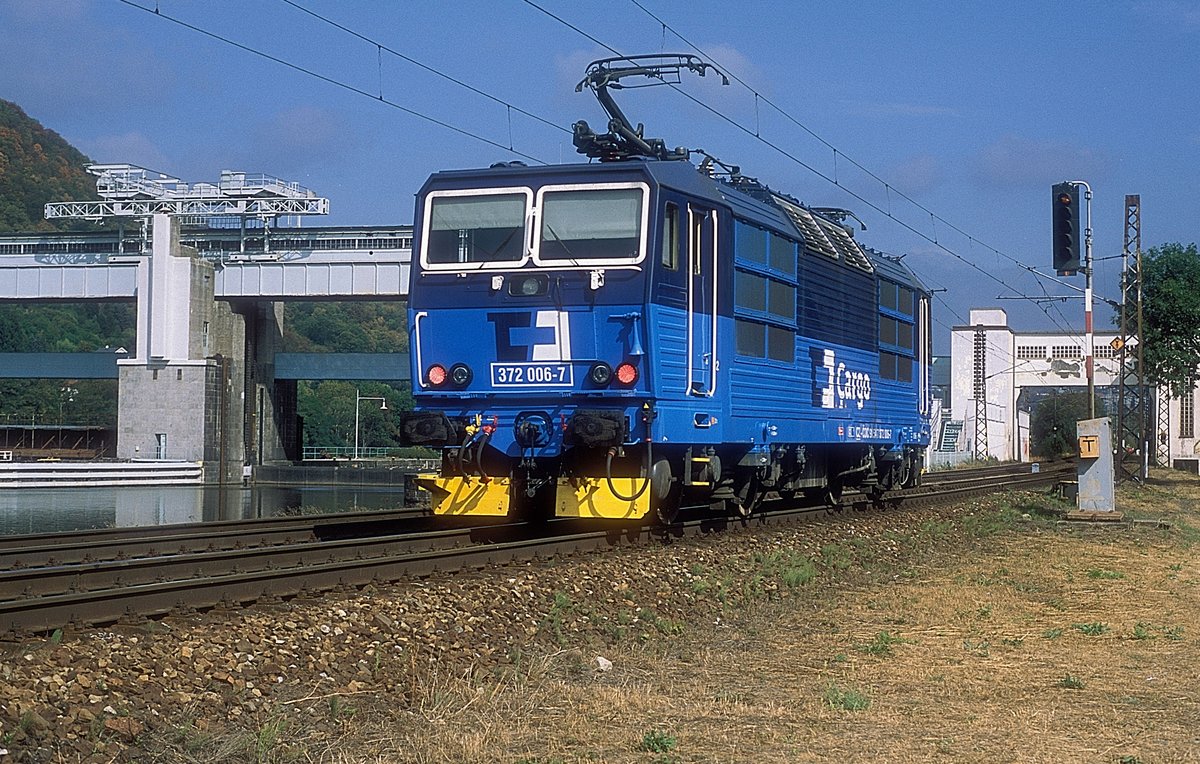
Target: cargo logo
(541,335)
(835,386)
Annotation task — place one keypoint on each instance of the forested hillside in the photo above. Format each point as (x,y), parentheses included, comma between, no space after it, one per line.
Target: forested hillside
(37,166)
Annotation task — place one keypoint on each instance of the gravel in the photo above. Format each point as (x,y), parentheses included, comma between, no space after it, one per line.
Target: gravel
(116,694)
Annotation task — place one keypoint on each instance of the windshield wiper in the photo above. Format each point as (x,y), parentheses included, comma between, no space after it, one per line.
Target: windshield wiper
(492,255)
(570,255)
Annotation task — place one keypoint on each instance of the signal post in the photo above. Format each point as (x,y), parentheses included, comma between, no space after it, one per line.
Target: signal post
(1095,471)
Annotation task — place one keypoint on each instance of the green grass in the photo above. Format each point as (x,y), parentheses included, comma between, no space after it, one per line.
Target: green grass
(1093,629)
(836,556)
(791,568)
(657,741)
(1101,573)
(844,699)
(881,645)
(1052,633)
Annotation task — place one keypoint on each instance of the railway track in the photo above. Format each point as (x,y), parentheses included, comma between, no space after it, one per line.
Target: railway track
(85,579)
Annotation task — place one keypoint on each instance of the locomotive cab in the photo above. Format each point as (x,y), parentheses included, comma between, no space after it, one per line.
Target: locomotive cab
(528,337)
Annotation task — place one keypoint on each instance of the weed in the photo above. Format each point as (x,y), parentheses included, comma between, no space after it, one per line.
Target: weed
(1175,633)
(267,737)
(56,637)
(836,556)
(1093,629)
(791,568)
(985,611)
(1131,759)
(982,648)
(1071,682)
(935,529)
(1013,641)
(700,586)
(338,708)
(990,523)
(559,608)
(657,741)
(1141,630)
(841,658)
(882,644)
(1101,573)
(1052,633)
(1177,567)
(846,699)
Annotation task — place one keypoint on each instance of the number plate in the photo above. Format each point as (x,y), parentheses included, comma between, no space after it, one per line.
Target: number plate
(532,375)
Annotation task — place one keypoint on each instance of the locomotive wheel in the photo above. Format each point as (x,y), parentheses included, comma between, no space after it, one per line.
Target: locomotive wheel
(906,472)
(746,497)
(832,494)
(666,510)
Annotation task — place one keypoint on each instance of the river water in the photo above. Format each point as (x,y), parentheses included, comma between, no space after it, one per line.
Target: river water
(54,510)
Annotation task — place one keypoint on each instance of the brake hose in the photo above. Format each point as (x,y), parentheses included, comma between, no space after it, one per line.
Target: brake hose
(646,470)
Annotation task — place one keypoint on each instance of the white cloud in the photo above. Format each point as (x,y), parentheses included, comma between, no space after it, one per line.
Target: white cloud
(296,140)
(916,174)
(1017,161)
(1170,13)
(132,148)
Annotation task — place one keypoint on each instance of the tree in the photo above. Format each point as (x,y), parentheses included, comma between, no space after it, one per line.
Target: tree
(1052,425)
(1171,315)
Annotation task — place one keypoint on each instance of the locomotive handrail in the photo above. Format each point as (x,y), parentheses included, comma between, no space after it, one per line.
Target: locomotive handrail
(417,345)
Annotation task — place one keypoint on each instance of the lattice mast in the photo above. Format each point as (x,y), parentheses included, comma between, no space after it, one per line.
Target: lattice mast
(1133,440)
(980,373)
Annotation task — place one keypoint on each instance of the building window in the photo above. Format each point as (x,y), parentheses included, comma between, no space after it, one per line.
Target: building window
(1066,351)
(1031,352)
(1187,414)
(1104,351)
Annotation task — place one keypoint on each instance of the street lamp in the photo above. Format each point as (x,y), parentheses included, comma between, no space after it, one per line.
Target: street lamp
(357,400)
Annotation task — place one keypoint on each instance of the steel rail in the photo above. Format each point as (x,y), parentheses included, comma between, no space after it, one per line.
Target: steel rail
(116,590)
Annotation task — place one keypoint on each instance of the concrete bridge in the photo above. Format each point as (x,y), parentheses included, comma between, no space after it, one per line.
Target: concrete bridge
(205,381)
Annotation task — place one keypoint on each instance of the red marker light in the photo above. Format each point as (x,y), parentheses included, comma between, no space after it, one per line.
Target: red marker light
(436,375)
(627,374)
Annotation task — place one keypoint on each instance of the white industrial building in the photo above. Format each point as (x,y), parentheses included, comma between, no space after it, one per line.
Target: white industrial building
(997,374)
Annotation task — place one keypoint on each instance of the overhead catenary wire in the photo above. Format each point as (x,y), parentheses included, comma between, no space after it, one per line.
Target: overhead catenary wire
(376,97)
(432,70)
(888,188)
(821,174)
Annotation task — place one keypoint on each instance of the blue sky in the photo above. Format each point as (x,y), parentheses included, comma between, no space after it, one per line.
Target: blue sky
(972,109)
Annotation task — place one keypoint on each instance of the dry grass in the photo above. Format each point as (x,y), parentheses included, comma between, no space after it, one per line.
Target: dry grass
(987,643)
(985,660)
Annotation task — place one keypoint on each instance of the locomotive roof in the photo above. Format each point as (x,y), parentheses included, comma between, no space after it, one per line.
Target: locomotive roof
(748,199)
(894,269)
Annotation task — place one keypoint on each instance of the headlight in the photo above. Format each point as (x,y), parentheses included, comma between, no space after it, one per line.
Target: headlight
(460,375)
(600,373)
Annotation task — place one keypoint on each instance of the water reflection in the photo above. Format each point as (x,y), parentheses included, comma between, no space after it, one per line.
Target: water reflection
(53,510)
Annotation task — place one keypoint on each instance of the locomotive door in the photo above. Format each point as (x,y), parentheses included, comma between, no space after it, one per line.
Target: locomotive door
(702,301)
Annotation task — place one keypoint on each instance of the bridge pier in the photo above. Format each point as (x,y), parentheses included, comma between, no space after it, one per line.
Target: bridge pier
(200,386)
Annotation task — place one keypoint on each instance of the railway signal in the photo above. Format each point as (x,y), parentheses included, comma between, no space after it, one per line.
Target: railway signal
(1066,229)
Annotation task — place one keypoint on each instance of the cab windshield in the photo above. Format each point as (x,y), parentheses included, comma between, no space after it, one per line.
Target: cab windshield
(577,225)
(476,229)
(580,225)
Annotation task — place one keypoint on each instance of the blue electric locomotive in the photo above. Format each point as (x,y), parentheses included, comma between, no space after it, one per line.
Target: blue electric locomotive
(613,339)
